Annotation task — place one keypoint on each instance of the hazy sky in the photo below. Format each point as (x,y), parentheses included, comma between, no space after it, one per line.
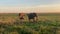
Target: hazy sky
(14,6)
(27,2)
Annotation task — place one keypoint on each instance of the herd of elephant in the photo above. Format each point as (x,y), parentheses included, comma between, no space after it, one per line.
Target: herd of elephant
(32,17)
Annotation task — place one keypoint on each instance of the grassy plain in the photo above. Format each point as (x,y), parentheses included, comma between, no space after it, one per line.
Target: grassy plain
(47,24)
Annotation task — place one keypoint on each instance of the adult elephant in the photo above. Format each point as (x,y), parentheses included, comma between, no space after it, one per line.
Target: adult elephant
(32,17)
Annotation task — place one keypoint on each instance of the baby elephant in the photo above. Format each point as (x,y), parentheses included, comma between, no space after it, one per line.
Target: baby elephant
(21,17)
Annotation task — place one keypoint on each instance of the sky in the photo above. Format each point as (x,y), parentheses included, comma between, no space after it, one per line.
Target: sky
(40,6)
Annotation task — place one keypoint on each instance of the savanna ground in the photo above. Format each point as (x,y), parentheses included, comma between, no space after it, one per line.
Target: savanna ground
(47,24)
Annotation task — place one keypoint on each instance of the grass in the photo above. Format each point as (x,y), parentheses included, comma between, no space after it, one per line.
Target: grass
(45,25)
